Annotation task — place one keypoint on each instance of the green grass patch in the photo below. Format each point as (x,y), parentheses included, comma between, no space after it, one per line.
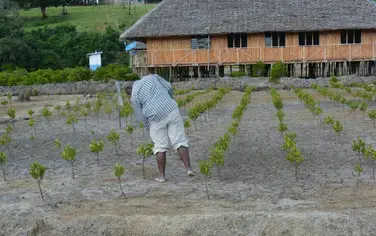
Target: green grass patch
(86,18)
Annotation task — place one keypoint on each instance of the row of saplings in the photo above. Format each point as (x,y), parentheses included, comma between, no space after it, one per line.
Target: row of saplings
(71,114)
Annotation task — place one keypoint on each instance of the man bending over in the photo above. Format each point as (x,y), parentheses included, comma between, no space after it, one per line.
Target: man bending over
(153,103)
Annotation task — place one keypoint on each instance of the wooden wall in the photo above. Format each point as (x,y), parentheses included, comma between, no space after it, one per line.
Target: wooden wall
(177,51)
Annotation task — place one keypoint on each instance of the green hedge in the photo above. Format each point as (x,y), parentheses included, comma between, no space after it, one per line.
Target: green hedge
(23,77)
(238,74)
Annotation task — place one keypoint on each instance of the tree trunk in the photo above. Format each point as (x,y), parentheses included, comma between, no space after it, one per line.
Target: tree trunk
(121,188)
(72,170)
(206,186)
(2,167)
(40,189)
(44,15)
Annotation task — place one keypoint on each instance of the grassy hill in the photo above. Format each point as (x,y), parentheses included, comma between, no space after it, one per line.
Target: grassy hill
(86,18)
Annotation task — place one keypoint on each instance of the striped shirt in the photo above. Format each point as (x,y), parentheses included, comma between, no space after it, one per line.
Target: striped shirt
(152,99)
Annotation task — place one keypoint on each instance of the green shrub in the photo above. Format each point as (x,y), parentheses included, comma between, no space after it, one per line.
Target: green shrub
(333,80)
(238,74)
(258,69)
(278,71)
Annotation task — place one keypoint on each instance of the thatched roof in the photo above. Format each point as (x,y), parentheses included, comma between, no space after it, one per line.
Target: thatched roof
(195,17)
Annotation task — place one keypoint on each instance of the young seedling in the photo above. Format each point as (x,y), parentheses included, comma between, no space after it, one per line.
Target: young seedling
(108,110)
(363,108)
(126,111)
(97,108)
(187,125)
(47,114)
(119,172)
(58,109)
(144,150)
(372,115)
(142,127)
(63,115)
(88,107)
(193,114)
(359,146)
(84,114)
(69,155)
(32,125)
(358,172)
(372,153)
(57,143)
(295,157)
(76,109)
(3,162)
(5,141)
(217,158)
(233,129)
(9,97)
(114,138)
(280,115)
(282,128)
(68,106)
(338,128)
(72,120)
(96,147)
(37,172)
(205,169)
(11,112)
(4,103)
(130,130)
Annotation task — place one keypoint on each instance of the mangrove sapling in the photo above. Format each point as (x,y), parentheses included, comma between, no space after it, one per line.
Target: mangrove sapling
(205,169)
(372,115)
(114,138)
(57,109)
(119,172)
(280,115)
(344,102)
(295,157)
(84,114)
(127,111)
(193,114)
(37,172)
(11,112)
(145,150)
(217,158)
(338,128)
(363,108)
(63,115)
(142,127)
(358,146)
(282,128)
(68,106)
(108,110)
(97,108)
(9,97)
(187,125)
(96,147)
(329,121)
(5,141)
(32,125)
(129,129)
(318,112)
(358,171)
(4,103)
(72,120)
(372,153)
(57,143)
(76,109)
(3,162)
(69,155)
(233,129)
(88,107)
(354,105)
(47,114)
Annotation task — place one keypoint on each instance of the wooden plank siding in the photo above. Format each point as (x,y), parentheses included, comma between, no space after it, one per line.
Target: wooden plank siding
(177,51)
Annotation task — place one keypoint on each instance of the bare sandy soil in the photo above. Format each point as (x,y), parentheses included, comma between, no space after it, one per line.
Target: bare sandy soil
(256,193)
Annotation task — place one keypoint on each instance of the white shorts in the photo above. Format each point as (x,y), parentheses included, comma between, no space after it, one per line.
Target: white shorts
(168,130)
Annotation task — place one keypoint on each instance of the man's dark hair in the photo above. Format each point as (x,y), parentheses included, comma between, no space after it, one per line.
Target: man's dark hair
(128,89)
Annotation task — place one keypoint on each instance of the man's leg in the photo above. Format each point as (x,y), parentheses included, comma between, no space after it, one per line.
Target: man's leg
(161,162)
(184,156)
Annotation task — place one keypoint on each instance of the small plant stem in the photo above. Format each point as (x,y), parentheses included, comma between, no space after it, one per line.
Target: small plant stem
(97,158)
(74,130)
(296,172)
(85,124)
(116,148)
(72,170)
(130,135)
(98,117)
(121,188)
(219,171)
(143,167)
(206,186)
(374,123)
(194,122)
(3,168)
(357,181)
(40,189)
(143,133)
(35,131)
(109,116)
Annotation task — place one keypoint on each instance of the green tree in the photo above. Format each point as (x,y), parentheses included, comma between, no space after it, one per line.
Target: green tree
(205,169)
(119,172)
(37,171)
(72,120)
(278,70)
(47,114)
(114,138)
(145,150)
(358,171)
(129,129)
(11,112)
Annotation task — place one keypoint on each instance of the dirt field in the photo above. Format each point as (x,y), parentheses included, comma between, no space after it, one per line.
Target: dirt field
(256,193)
